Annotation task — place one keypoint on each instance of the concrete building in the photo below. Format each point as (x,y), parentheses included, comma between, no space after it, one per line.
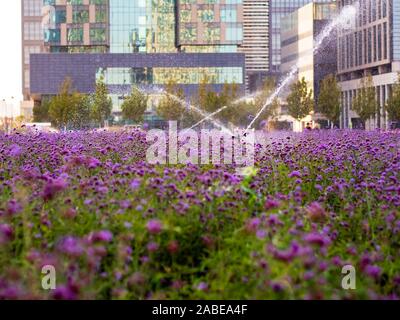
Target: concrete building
(372,47)
(298,33)
(138,42)
(32,39)
(277,10)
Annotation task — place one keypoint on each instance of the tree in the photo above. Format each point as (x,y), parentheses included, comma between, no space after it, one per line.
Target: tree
(102,104)
(170,106)
(41,111)
(60,106)
(81,113)
(364,103)
(69,109)
(300,102)
(393,103)
(135,105)
(211,101)
(329,98)
(207,98)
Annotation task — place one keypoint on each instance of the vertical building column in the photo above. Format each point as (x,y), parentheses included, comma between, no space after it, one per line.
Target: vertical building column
(341,111)
(345,111)
(383,102)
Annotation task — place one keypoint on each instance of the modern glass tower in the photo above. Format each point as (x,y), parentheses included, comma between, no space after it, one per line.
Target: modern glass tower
(139,42)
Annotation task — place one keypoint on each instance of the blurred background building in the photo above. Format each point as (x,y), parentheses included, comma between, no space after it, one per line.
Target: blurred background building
(299,30)
(32,42)
(135,42)
(372,47)
(277,10)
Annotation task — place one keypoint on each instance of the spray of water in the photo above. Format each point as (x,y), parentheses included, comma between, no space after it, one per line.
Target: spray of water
(343,19)
(205,115)
(208,117)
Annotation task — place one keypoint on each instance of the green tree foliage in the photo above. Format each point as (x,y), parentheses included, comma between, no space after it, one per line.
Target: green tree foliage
(329,98)
(300,102)
(102,104)
(207,98)
(69,109)
(41,111)
(170,107)
(210,101)
(364,103)
(82,111)
(135,105)
(393,103)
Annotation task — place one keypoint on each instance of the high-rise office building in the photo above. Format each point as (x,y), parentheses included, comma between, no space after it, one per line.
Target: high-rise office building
(277,10)
(255,41)
(32,38)
(372,47)
(139,42)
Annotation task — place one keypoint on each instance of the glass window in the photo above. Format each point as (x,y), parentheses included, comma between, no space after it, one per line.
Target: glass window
(33,31)
(234,33)
(228,15)
(52,35)
(60,16)
(75,35)
(28,50)
(212,34)
(74,1)
(100,15)
(32,8)
(97,35)
(206,15)
(100,2)
(161,76)
(80,16)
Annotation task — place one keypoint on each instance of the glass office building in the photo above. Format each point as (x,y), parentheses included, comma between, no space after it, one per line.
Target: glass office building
(139,42)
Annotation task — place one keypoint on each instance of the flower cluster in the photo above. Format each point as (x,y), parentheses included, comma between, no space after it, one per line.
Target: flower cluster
(115,227)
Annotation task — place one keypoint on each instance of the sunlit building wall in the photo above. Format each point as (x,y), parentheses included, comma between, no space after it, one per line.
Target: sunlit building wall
(372,47)
(277,10)
(298,33)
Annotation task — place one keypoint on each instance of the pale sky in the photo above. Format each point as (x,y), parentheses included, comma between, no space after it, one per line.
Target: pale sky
(10,49)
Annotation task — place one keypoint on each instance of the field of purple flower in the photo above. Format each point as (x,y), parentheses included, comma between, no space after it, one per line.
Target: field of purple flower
(115,227)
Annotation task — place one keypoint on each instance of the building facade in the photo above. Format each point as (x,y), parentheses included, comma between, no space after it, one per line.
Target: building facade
(277,10)
(298,33)
(32,38)
(139,42)
(255,41)
(372,47)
